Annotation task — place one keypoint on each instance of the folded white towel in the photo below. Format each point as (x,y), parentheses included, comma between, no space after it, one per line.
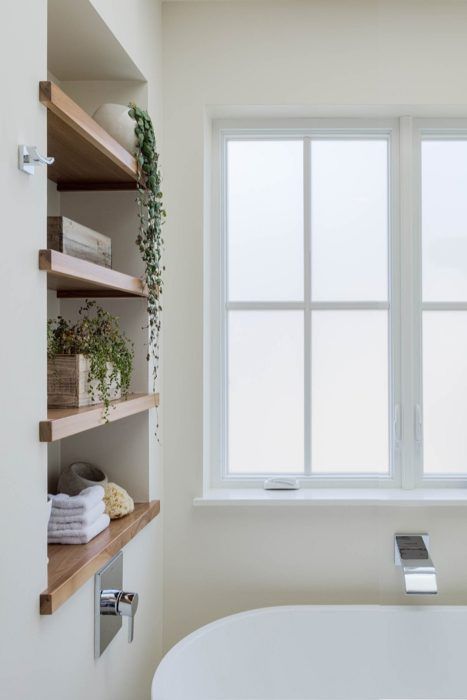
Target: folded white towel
(86,500)
(79,536)
(62,519)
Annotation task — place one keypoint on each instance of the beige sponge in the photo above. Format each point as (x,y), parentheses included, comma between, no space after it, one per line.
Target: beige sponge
(118,502)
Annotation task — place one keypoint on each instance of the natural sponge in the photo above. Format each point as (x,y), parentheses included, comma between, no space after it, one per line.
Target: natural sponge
(118,502)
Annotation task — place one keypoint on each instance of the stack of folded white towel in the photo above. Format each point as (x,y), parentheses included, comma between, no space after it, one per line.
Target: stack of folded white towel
(77,519)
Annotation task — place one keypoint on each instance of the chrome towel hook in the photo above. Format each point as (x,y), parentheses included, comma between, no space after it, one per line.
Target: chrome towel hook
(29,157)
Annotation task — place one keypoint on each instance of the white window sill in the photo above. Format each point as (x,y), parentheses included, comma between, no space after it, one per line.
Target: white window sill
(332,497)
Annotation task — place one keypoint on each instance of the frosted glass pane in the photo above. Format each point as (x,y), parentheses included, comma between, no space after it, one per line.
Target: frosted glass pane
(444,220)
(265,220)
(349,220)
(445,392)
(349,404)
(265,406)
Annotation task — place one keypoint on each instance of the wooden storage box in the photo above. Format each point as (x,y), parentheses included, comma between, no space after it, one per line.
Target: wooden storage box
(72,238)
(68,384)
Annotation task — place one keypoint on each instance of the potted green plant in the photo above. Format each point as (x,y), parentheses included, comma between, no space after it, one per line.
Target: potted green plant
(132,127)
(90,361)
(151,214)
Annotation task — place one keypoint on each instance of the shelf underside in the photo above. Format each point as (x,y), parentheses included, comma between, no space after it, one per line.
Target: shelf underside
(70,566)
(63,422)
(86,156)
(73,277)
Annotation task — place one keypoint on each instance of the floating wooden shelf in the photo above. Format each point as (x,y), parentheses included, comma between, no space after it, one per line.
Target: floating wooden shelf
(73,277)
(63,422)
(71,565)
(86,156)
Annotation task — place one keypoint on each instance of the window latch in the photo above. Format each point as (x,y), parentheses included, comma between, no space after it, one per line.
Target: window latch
(397,423)
(418,423)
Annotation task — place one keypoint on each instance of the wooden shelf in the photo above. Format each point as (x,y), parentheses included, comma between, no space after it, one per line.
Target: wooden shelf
(73,277)
(63,422)
(71,565)
(86,156)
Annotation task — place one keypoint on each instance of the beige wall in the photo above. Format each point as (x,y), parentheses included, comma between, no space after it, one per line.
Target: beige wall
(137,24)
(52,657)
(294,53)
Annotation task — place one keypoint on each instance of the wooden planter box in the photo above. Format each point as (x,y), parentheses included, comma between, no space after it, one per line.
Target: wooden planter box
(68,383)
(72,238)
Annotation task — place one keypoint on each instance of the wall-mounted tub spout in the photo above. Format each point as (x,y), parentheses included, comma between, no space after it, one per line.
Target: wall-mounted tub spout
(411,554)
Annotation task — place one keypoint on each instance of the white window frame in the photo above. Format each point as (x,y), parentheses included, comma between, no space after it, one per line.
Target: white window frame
(404,136)
(427,129)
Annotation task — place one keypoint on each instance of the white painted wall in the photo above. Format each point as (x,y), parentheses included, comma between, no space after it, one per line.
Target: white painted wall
(137,24)
(50,658)
(286,53)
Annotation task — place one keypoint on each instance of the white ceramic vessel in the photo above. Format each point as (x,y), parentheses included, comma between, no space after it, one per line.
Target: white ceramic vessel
(321,652)
(79,476)
(116,121)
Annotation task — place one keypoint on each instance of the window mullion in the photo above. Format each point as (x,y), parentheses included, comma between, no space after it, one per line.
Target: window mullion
(307,298)
(410,316)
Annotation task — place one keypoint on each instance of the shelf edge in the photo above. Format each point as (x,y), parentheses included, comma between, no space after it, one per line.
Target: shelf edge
(58,102)
(51,600)
(81,419)
(110,282)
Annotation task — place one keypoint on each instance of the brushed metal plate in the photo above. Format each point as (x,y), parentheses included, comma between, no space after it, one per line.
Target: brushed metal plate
(106,626)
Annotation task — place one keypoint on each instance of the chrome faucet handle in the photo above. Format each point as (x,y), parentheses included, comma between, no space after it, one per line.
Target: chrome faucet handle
(109,601)
(127,607)
(122,603)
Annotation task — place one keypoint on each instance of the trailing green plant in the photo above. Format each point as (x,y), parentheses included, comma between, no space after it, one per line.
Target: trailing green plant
(151,214)
(98,336)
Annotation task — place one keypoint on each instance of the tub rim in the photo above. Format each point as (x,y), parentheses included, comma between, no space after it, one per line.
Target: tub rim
(410,608)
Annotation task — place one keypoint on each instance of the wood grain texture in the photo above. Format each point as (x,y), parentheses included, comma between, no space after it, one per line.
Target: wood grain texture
(72,277)
(68,382)
(67,236)
(70,566)
(63,422)
(86,156)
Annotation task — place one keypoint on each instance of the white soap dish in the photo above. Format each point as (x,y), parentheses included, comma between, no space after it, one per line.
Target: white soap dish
(281,484)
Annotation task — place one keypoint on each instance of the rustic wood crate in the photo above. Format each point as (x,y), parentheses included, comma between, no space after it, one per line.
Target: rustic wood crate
(69,237)
(67,382)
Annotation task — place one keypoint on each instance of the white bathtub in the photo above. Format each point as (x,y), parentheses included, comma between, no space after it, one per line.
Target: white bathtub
(321,652)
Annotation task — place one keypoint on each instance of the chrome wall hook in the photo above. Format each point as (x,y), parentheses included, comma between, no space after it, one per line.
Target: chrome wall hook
(29,157)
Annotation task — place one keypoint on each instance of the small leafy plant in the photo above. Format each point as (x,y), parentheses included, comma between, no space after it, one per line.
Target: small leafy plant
(96,335)
(151,214)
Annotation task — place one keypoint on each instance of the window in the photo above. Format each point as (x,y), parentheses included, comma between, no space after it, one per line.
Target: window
(336,317)
(444,304)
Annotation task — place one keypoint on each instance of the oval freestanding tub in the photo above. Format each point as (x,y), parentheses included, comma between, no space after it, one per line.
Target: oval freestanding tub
(321,653)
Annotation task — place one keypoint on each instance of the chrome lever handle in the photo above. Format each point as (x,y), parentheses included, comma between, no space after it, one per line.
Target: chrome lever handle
(127,607)
(122,603)
(131,629)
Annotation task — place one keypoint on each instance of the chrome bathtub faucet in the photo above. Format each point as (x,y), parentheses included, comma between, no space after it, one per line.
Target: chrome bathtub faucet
(411,554)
